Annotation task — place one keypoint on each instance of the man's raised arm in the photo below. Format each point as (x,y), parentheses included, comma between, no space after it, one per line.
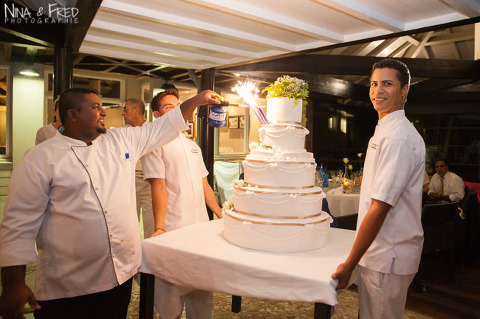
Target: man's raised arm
(206,97)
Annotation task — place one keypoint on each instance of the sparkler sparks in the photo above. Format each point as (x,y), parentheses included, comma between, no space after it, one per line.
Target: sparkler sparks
(249,92)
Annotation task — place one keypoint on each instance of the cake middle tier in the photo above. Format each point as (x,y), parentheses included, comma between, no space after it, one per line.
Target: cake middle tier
(297,203)
(283,136)
(283,174)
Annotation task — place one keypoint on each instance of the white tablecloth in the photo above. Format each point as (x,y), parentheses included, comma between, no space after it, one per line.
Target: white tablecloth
(199,257)
(342,204)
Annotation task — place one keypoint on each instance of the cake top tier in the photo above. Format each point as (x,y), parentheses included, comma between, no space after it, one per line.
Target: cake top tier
(282,110)
(284,100)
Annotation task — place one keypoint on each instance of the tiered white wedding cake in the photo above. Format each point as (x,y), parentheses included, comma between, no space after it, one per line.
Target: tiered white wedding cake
(277,206)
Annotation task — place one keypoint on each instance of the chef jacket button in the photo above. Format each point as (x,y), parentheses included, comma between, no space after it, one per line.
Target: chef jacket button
(106,212)
(96,188)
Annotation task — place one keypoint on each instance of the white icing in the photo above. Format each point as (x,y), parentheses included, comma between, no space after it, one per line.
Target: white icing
(277,154)
(281,109)
(286,137)
(278,208)
(279,174)
(278,203)
(253,233)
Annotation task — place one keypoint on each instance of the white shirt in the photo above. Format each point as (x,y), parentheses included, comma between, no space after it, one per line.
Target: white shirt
(78,202)
(180,163)
(44,133)
(453,186)
(393,173)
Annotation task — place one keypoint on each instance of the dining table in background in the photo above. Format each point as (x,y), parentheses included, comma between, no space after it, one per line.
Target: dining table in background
(342,203)
(199,257)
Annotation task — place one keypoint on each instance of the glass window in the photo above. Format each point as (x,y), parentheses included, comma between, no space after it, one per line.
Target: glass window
(241,128)
(111,94)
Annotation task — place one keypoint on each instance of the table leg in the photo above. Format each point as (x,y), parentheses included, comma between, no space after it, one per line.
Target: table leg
(147,290)
(322,311)
(236,304)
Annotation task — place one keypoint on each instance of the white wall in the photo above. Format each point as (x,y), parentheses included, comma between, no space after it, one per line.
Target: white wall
(27,112)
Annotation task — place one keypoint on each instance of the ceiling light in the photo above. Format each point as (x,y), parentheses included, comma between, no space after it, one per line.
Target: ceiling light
(29,71)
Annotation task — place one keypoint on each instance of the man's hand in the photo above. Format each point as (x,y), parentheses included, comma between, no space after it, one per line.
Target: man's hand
(157,232)
(206,97)
(13,300)
(343,274)
(367,232)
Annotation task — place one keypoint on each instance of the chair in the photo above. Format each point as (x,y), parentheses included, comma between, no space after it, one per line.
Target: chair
(438,221)
(468,229)
(475,186)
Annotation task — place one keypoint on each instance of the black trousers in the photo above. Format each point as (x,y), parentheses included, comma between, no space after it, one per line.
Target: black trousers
(110,304)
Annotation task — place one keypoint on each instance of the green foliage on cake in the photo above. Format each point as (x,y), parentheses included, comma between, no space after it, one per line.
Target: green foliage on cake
(292,88)
(287,86)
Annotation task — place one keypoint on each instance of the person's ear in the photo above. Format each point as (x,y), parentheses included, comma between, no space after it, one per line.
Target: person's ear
(72,114)
(156,114)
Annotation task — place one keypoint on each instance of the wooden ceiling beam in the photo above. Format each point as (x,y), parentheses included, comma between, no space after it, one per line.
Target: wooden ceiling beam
(76,31)
(7,51)
(357,65)
(414,51)
(431,86)
(316,83)
(470,8)
(270,17)
(363,13)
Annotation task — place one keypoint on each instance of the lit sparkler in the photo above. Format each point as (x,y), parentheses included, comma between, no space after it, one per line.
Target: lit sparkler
(249,92)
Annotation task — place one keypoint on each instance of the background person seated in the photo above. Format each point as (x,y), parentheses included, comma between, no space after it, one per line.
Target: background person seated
(445,185)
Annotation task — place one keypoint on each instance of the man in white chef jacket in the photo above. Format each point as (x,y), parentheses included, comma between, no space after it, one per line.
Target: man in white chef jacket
(73,196)
(180,191)
(389,238)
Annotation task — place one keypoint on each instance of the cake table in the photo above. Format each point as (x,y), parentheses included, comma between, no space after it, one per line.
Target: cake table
(198,256)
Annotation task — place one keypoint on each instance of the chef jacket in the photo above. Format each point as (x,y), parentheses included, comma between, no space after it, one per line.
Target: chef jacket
(394,173)
(78,202)
(180,163)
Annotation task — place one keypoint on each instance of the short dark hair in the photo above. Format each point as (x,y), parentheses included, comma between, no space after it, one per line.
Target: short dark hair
(138,104)
(440,159)
(72,99)
(403,73)
(155,103)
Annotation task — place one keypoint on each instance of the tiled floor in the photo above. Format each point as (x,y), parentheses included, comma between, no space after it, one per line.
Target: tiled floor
(440,299)
(269,309)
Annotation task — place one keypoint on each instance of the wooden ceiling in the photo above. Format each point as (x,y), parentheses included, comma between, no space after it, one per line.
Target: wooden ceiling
(331,43)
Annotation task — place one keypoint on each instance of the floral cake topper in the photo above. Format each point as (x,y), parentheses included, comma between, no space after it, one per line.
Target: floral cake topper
(290,87)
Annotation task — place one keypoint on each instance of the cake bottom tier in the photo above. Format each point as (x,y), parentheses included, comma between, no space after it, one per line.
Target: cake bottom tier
(276,235)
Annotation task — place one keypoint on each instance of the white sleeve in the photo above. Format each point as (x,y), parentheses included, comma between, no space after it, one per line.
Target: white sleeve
(27,200)
(458,189)
(153,164)
(143,139)
(388,185)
